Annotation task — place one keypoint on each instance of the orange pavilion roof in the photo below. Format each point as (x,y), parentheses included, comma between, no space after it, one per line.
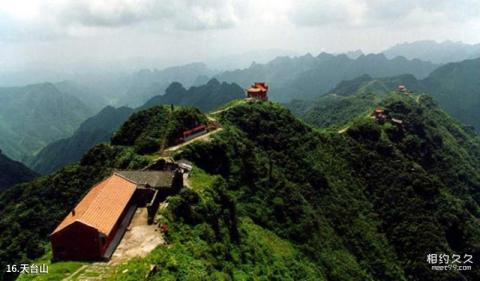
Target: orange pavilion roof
(102,206)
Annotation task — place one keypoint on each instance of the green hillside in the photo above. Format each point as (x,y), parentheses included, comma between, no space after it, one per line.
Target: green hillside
(455,86)
(13,172)
(94,130)
(33,116)
(275,199)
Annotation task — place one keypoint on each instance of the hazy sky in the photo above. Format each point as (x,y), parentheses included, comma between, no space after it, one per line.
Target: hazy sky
(62,33)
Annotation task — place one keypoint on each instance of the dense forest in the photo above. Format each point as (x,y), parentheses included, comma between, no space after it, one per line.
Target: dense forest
(368,204)
(276,199)
(454,86)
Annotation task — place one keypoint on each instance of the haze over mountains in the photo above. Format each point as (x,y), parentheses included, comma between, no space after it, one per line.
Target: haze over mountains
(307,76)
(95,129)
(449,84)
(204,97)
(100,127)
(291,78)
(33,116)
(439,53)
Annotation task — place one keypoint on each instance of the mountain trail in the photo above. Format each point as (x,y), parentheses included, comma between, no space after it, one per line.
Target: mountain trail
(206,137)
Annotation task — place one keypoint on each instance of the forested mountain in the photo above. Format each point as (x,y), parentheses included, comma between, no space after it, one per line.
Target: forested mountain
(274,198)
(100,127)
(92,98)
(33,116)
(145,84)
(428,50)
(98,89)
(13,172)
(96,129)
(455,86)
(350,98)
(307,76)
(205,97)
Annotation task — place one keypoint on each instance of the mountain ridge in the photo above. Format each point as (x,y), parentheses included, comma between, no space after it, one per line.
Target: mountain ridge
(305,77)
(341,203)
(436,52)
(451,85)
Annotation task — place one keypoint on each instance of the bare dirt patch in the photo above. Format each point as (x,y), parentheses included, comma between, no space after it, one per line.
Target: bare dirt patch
(139,239)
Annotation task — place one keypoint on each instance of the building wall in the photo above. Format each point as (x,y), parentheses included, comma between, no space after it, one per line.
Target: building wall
(76,242)
(161,193)
(112,234)
(82,242)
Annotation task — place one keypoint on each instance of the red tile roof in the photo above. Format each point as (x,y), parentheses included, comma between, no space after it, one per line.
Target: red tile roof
(102,206)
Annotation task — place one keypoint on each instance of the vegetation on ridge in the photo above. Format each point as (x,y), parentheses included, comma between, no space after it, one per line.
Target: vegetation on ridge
(284,201)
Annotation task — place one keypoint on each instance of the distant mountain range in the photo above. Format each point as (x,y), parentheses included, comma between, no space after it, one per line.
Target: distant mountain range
(100,127)
(98,90)
(205,97)
(145,84)
(435,52)
(244,60)
(89,97)
(36,115)
(33,116)
(13,172)
(307,76)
